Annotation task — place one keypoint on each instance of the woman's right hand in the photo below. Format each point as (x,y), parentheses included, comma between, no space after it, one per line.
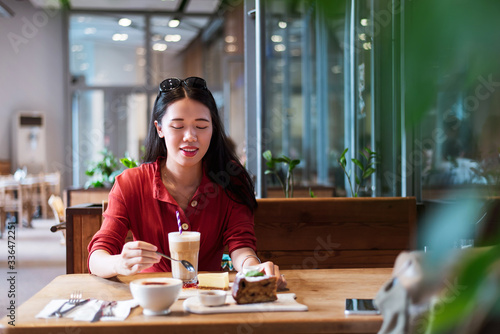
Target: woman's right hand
(136,256)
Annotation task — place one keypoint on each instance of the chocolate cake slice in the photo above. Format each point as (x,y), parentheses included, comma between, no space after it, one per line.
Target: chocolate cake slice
(249,289)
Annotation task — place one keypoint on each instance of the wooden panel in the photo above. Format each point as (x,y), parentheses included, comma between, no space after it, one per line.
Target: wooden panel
(331,259)
(83,221)
(86,196)
(355,232)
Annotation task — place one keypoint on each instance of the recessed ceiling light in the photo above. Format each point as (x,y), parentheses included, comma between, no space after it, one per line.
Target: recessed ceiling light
(174,23)
(159,46)
(230,39)
(125,22)
(120,37)
(173,38)
(279,48)
(282,24)
(364,22)
(276,38)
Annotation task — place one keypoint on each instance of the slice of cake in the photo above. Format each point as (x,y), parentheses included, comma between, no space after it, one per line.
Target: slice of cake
(254,287)
(213,281)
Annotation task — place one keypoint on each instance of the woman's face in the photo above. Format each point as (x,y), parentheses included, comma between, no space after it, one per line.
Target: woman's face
(187,130)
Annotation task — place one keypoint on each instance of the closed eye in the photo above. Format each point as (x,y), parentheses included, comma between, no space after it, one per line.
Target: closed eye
(201,127)
(176,127)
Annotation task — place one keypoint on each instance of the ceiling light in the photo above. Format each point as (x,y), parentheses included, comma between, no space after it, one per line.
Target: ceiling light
(174,23)
(230,39)
(231,48)
(172,38)
(364,22)
(125,22)
(159,46)
(276,38)
(279,48)
(362,37)
(282,24)
(120,37)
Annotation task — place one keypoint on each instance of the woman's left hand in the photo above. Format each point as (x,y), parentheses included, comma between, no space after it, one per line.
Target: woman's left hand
(271,269)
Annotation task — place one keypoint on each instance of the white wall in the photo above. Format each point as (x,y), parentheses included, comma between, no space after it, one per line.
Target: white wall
(32,78)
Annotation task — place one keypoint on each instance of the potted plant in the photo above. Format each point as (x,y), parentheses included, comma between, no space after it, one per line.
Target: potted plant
(104,171)
(366,168)
(272,165)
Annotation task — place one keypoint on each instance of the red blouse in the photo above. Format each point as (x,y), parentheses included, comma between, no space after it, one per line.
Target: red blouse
(140,202)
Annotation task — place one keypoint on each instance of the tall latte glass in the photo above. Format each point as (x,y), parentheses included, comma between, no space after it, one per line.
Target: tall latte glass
(185,246)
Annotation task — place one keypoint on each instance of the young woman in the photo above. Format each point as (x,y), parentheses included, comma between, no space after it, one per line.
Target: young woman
(189,168)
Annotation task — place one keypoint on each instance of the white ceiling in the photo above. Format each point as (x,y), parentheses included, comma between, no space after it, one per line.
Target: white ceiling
(195,16)
(192,6)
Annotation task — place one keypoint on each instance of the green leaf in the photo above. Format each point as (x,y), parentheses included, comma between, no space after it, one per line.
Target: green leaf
(342,161)
(271,164)
(358,163)
(358,181)
(281,159)
(343,153)
(311,193)
(268,172)
(368,172)
(286,159)
(267,155)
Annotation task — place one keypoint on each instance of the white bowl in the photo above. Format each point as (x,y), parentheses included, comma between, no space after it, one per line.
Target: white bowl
(212,297)
(156,295)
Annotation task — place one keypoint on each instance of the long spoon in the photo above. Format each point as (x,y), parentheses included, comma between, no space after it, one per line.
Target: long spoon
(185,263)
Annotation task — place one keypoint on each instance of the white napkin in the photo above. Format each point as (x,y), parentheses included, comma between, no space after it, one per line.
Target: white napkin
(87,311)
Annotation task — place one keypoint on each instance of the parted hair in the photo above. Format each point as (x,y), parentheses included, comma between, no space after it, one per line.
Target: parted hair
(220,162)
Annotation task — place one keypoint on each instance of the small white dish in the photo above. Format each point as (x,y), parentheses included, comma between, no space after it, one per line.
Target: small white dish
(212,297)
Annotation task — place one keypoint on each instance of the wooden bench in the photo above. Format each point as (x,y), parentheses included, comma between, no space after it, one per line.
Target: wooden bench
(296,233)
(334,232)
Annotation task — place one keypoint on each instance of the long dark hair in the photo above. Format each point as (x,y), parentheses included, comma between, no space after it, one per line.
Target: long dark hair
(221,163)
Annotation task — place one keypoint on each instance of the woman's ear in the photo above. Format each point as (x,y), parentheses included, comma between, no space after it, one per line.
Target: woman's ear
(158,129)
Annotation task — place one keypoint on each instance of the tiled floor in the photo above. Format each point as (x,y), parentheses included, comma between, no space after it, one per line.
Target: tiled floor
(39,258)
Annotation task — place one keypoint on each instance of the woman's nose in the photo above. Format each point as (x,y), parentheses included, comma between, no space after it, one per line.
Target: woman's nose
(190,135)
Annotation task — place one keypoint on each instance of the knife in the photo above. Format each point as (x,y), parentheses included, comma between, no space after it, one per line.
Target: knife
(99,313)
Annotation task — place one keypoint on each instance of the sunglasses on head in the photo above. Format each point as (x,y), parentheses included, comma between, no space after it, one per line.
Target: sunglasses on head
(191,82)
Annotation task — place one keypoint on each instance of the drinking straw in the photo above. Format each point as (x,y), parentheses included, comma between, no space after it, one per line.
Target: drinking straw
(178,222)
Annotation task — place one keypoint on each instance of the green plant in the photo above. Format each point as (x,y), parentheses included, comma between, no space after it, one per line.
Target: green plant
(367,168)
(104,171)
(272,169)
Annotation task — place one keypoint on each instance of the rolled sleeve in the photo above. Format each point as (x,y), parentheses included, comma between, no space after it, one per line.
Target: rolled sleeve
(240,231)
(111,236)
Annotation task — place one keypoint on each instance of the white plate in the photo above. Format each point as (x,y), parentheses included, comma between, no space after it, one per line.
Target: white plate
(285,302)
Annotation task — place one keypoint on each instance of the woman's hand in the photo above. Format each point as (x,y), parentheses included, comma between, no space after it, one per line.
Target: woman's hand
(270,268)
(136,256)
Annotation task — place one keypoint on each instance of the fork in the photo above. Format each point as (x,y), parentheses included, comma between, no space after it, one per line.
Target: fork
(74,299)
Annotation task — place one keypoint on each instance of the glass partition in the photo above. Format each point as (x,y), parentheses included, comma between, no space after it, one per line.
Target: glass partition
(111,119)
(304,89)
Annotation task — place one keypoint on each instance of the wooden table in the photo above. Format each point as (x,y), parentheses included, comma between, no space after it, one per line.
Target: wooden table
(322,290)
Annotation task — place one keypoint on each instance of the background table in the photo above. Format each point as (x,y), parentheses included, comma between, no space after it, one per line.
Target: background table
(324,291)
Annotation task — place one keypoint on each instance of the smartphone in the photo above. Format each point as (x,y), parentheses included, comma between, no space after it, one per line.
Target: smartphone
(360,306)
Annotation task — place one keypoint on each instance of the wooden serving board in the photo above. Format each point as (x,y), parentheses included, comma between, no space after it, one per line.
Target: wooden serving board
(286,302)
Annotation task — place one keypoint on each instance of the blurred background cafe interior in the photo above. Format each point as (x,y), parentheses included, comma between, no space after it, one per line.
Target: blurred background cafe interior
(409,88)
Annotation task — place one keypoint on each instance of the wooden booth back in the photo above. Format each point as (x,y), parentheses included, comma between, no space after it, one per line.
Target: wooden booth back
(294,233)
(335,232)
